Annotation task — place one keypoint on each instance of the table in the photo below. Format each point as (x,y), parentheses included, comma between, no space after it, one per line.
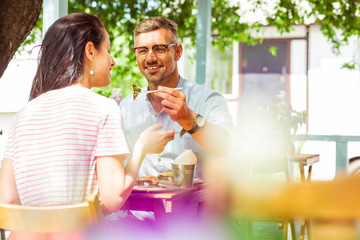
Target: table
(305,160)
(167,201)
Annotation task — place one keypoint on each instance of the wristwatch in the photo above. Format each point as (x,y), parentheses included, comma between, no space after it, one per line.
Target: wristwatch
(199,122)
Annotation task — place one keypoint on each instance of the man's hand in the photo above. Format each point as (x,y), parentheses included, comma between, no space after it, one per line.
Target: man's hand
(213,139)
(174,104)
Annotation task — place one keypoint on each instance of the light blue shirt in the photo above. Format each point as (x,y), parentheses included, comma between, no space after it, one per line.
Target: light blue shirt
(139,114)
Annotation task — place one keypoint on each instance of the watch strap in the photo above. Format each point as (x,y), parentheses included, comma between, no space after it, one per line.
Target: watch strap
(183,131)
(194,129)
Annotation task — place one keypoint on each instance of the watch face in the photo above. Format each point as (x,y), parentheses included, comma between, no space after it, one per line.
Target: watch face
(200,121)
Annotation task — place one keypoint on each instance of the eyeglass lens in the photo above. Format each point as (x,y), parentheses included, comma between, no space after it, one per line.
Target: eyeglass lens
(157,49)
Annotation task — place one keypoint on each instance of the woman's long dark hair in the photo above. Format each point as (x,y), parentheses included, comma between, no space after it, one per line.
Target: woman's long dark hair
(62,51)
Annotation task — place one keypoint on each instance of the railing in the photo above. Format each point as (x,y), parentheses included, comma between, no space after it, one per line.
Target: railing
(341,146)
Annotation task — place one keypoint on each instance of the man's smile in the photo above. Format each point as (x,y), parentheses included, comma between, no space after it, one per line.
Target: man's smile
(153,68)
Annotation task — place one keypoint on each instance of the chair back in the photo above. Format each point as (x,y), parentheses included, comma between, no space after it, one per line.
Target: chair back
(61,218)
(354,166)
(270,165)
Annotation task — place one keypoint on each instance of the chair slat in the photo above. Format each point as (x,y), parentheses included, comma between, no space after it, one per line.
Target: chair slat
(51,218)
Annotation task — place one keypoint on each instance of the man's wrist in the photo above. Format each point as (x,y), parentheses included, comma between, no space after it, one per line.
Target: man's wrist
(198,123)
(190,122)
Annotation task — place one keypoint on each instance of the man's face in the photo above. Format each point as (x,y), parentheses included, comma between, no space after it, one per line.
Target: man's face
(158,68)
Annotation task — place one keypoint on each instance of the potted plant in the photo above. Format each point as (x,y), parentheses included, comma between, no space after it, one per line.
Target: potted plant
(287,120)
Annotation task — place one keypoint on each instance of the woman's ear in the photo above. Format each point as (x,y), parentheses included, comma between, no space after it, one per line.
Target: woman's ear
(89,50)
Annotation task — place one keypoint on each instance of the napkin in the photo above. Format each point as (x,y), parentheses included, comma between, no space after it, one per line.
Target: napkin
(187,157)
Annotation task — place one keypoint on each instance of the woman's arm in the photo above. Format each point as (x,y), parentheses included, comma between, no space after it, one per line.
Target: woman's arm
(8,190)
(116,181)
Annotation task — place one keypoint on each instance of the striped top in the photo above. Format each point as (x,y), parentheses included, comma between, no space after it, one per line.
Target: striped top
(54,141)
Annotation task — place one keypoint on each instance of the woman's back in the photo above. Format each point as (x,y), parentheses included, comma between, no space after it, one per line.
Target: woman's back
(55,141)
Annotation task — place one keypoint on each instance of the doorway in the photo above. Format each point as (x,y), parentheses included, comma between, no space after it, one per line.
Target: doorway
(264,75)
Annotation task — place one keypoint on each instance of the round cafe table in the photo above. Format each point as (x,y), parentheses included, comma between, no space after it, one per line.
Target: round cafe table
(165,200)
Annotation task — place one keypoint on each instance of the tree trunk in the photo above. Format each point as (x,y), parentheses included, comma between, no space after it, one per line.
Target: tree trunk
(17,19)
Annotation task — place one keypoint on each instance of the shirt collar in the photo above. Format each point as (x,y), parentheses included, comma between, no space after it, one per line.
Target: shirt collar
(181,82)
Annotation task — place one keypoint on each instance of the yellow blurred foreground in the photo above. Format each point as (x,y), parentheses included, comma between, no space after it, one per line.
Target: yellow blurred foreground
(333,207)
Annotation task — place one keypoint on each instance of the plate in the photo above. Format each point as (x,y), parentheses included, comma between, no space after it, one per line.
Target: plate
(160,188)
(165,186)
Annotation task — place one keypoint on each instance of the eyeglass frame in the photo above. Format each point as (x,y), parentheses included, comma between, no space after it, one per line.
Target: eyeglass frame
(148,49)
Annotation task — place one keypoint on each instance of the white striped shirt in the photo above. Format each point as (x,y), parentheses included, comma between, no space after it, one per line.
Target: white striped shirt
(54,141)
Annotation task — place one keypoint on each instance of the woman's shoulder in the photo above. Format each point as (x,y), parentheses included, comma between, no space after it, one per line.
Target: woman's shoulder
(103,102)
(84,96)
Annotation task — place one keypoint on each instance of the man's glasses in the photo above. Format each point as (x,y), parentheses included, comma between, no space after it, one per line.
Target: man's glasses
(159,50)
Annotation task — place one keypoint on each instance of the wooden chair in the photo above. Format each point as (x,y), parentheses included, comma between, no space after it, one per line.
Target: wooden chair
(263,169)
(60,218)
(354,166)
(332,206)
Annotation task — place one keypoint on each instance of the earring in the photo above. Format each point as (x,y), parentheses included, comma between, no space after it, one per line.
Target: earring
(92,67)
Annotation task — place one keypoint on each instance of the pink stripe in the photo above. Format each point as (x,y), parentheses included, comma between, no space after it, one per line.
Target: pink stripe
(57,130)
(69,120)
(69,156)
(77,174)
(50,203)
(74,177)
(44,126)
(56,173)
(85,164)
(50,120)
(63,161)
(65,184)
(56,150)
(32,139)
(49,191)
(54,185)
(23,185)
(63,139)
(77,106)
(59,104)
(62,197)
(51,112)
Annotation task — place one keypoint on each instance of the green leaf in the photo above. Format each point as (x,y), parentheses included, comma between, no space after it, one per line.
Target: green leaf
(273,50)
(339,21)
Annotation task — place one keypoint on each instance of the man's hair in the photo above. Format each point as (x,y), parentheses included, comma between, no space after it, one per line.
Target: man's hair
(155,23)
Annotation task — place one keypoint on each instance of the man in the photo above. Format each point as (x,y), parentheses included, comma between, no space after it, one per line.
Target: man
(199,115)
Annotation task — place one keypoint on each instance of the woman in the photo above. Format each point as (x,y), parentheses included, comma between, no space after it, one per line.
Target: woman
(68,141)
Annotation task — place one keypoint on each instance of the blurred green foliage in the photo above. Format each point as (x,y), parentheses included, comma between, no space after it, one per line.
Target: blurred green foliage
(338,20)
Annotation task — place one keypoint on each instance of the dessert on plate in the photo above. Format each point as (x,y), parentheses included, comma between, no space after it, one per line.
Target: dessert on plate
(147,182)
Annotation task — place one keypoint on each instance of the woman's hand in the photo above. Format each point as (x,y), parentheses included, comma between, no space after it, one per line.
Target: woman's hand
(115,180)
(153,141)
